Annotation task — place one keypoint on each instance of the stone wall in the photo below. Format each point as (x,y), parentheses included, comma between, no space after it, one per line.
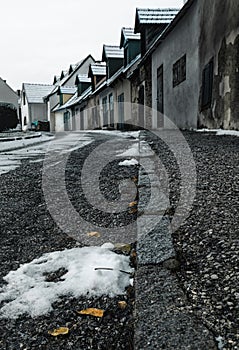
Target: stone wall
(219,40)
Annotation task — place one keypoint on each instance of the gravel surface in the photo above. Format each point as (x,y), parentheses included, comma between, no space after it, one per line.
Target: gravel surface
(207,244)
(28,231)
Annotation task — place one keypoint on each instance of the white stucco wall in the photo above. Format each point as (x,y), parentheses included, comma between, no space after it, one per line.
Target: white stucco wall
(25,113)
(181,101)
(59,121)
(123,86)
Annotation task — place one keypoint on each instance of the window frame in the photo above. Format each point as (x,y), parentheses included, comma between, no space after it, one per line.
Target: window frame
(180,71)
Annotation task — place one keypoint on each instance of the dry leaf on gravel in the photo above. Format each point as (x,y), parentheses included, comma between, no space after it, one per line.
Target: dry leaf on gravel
(133,204)
(59,331)
(93,234)
(92,312)
(122,304)
(123,247)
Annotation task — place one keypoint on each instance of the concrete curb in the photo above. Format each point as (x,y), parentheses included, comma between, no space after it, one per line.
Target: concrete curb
(163,319)
(38,142)
(20,137)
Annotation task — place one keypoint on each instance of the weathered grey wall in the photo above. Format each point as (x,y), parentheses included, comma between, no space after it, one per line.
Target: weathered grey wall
(181,101)
(7,95)
(142,77)
(219,40)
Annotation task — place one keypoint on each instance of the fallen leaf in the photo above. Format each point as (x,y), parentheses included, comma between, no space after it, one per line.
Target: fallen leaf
(133,204)
(92,312)
(124,247)
(122,304)
(93,234)
(135,179)
(59,331)
(133,211)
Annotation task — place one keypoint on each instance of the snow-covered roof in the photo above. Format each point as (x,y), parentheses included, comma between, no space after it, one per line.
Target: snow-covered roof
(110,51)
(67,90)
(155,16)
(98,68)
(69,73)
(129,34)
(74,100)
(36,92)
(82,78)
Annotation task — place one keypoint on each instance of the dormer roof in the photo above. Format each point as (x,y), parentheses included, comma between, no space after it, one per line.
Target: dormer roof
(128,34)
(154,16)
(111,51)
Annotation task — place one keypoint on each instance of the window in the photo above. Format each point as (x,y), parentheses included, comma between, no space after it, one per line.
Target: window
(179,71)
(25,121)
(111,107)
(66,121)
(95,117)
(24,97)
(105,111)
(121,111)
(207,84)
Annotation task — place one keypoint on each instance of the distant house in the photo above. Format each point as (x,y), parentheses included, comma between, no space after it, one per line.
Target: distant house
(9,106)
(33,105)
(104,98)
(8,95)
(67,78)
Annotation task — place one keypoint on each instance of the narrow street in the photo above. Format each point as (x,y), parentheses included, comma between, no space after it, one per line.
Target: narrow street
(28,231)
(176,304)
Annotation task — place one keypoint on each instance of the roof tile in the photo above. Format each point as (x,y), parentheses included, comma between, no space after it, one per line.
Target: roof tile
(36,92)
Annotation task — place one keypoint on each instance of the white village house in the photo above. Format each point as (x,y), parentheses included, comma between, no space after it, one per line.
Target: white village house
(33,106)
(8,95)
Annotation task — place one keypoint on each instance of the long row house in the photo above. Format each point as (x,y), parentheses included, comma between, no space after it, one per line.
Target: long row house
(178,65)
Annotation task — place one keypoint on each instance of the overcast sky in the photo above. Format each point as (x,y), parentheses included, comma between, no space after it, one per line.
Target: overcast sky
(40,38)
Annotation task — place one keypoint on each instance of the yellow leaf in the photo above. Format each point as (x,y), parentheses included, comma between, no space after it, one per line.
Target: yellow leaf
(92,312)
(59,331)
(135,179)
(124,247)
(122,304)
(133,204)
(93,234)
(133,211)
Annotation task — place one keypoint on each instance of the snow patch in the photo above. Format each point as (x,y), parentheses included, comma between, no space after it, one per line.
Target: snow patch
(129,162)
(28,291)
(220,132)
(132,151)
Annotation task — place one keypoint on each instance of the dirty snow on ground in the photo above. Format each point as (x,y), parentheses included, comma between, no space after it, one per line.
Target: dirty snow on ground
(29,291)
(8,145)
(129,162)
(16,151)
(124,134)
(221,132)
(132,151)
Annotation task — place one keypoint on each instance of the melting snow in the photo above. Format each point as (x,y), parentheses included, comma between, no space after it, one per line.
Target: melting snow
(130,162)
(220,132)
(29,292)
